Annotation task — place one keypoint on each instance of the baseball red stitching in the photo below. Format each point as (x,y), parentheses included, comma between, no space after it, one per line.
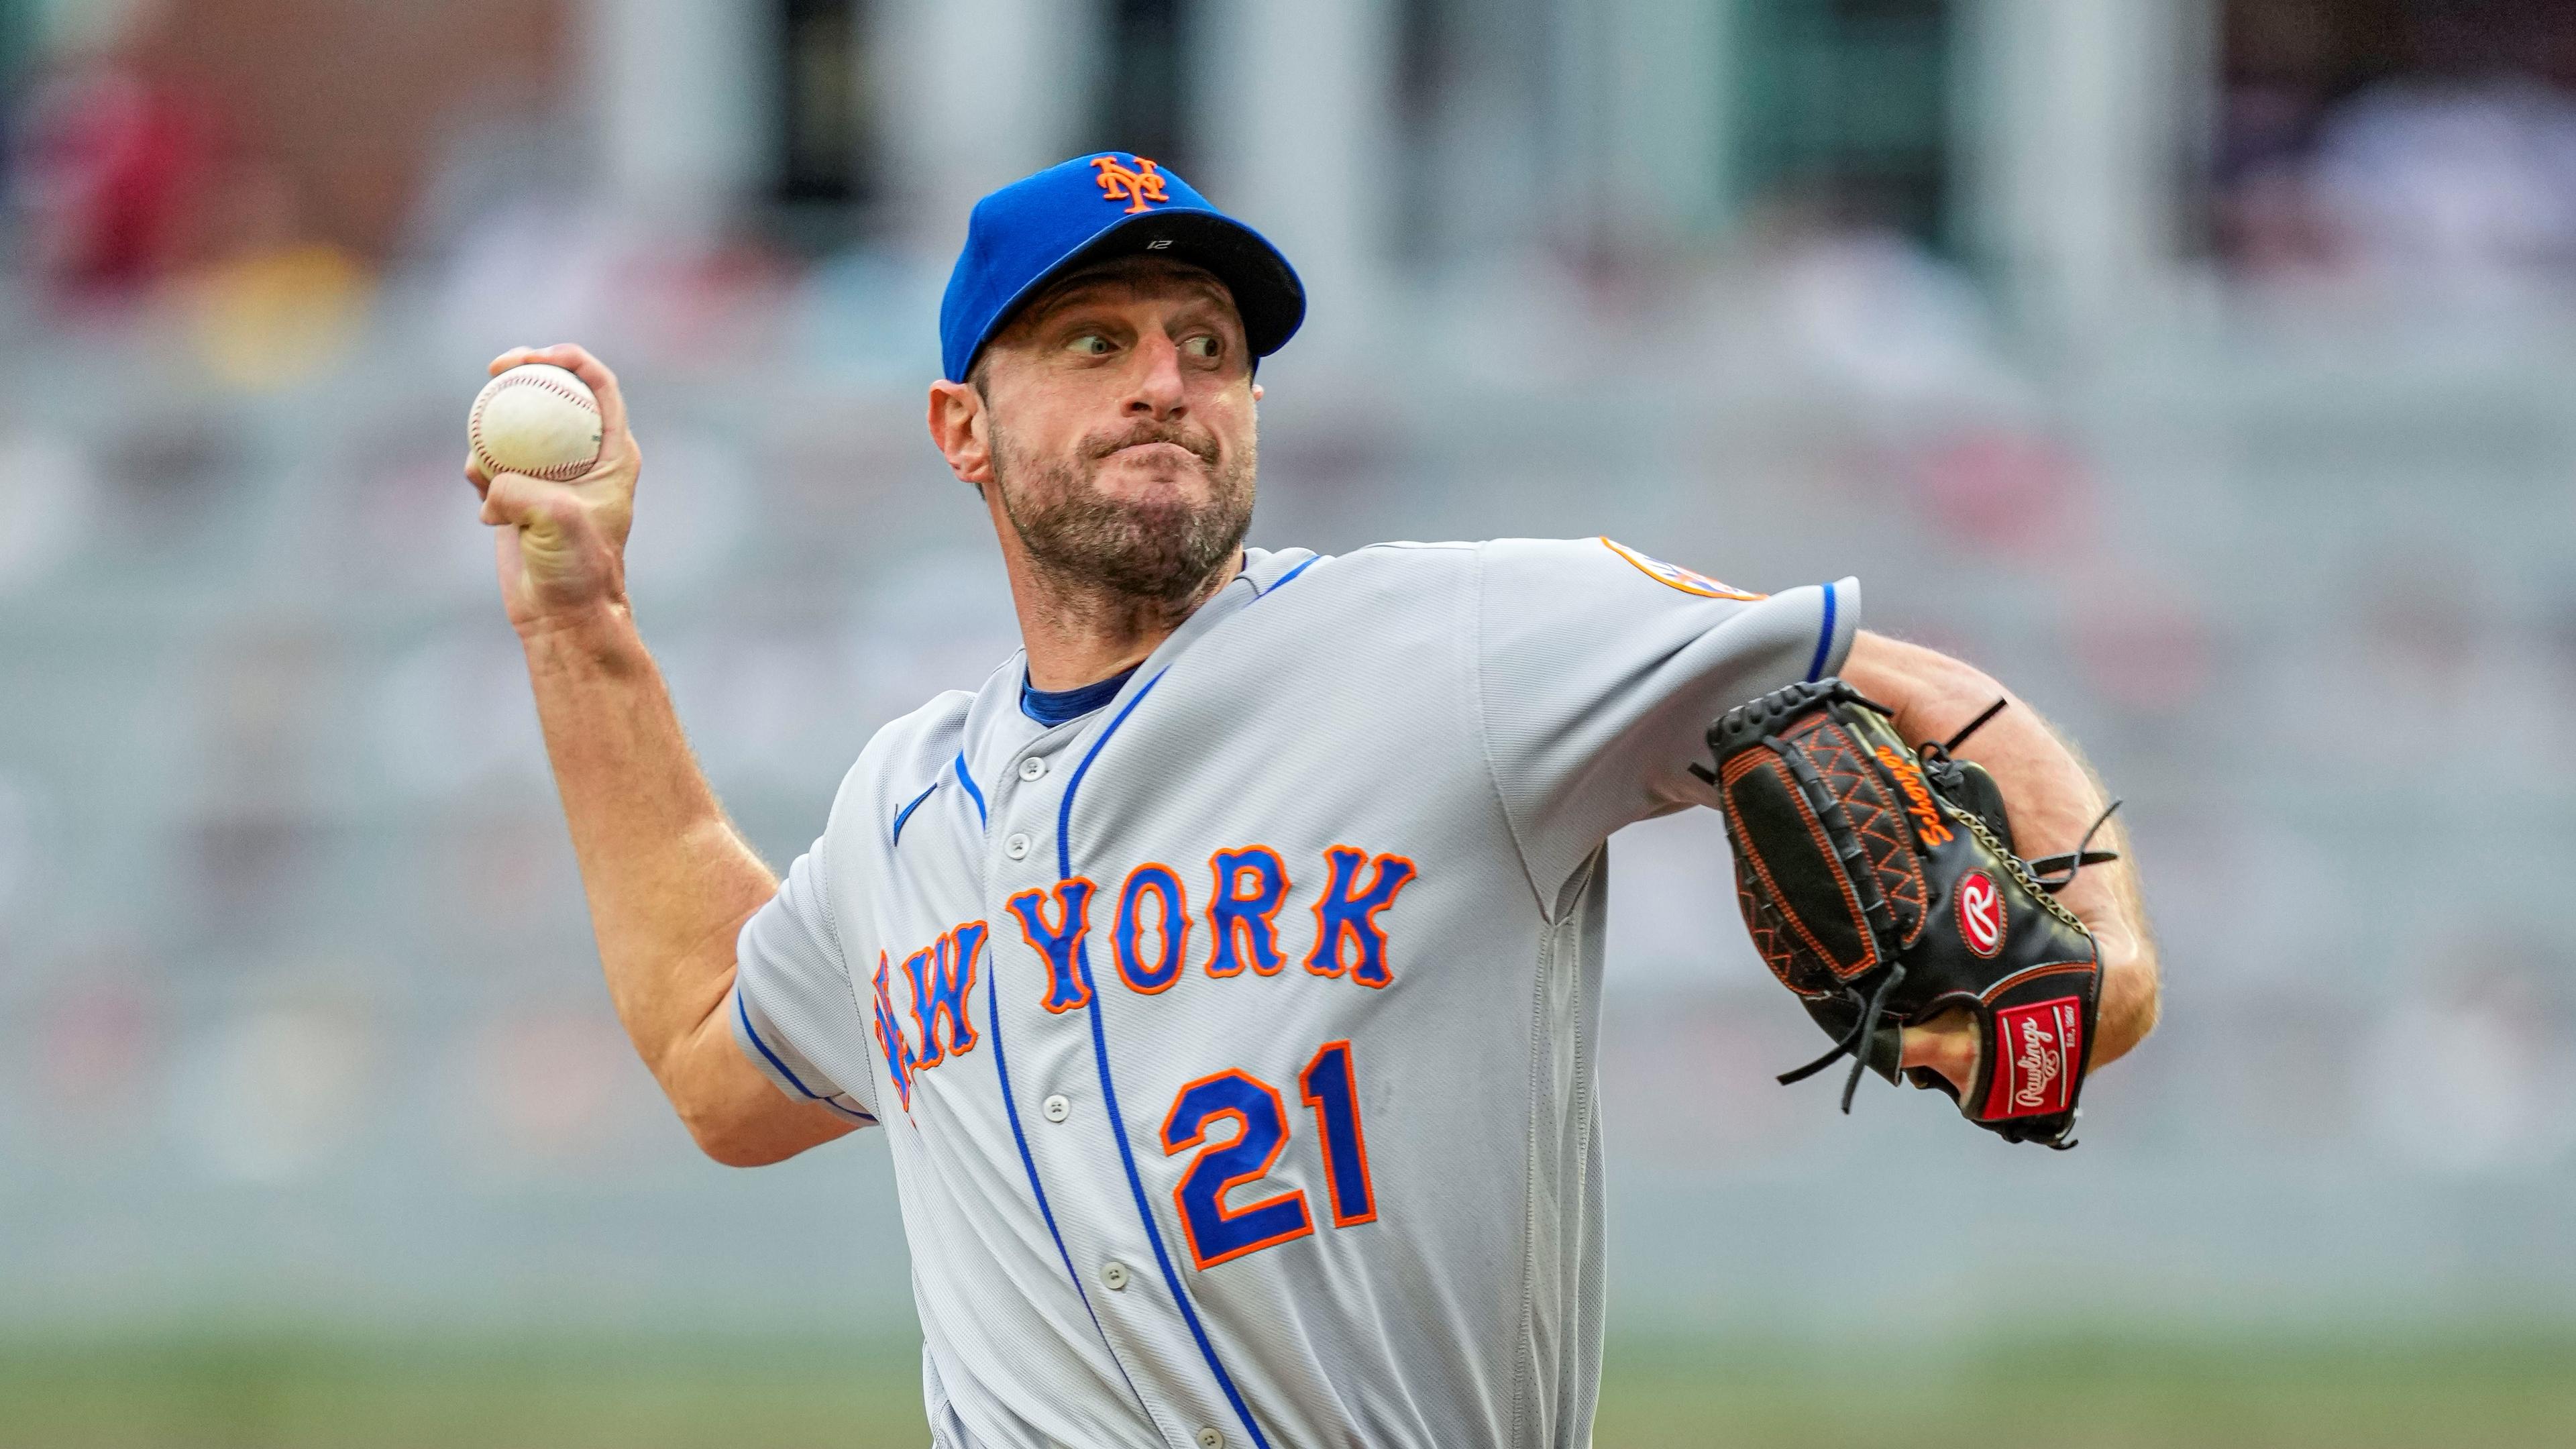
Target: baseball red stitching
(560,472)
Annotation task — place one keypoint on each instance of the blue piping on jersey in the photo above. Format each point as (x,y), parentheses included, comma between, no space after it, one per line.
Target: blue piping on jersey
(1259,592)
(972,793)
(1824,641)
(1064,808)
(1011,1107)
(744,1012)
(905,814)
(1109,1091)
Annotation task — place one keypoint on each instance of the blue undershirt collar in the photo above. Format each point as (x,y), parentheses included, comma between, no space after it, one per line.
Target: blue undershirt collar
(1052,707)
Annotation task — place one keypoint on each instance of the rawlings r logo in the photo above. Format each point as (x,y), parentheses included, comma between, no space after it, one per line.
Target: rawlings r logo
(1142,186)
(1981,913)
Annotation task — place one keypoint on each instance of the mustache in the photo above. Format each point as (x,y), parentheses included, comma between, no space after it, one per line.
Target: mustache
(1203,445)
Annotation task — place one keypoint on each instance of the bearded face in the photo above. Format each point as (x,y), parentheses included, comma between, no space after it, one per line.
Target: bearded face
(1113,429)
(1146,511)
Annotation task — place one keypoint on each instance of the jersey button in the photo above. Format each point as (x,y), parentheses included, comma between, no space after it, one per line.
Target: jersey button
(1056,1108)
(1016,846)
(1211,1437)
(1032,769)
(1113,1276)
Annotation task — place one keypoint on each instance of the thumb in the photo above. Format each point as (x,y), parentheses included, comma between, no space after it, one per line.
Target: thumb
(553,523)
(520,499)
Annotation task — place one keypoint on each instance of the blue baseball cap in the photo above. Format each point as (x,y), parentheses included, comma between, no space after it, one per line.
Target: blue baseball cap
(1091,208)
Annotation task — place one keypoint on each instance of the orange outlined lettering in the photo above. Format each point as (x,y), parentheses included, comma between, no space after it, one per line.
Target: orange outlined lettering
(1246,925)
(1346,915)
(1173,928)
(1068,971)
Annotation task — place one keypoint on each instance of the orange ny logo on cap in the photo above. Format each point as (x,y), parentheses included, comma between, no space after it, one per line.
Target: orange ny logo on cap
(1142,186)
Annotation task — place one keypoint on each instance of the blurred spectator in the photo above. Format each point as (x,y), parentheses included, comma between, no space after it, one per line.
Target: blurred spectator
(115,172)
(272,304)
(2428,145)
(2453,187)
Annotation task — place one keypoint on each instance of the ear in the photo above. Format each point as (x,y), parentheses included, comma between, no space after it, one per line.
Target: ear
(1256,392)
(962,432)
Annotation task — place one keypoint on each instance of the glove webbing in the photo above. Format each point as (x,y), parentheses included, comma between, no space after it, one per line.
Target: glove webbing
(1882,916)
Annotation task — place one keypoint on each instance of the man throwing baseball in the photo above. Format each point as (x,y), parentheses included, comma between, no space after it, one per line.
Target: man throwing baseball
(1223,972)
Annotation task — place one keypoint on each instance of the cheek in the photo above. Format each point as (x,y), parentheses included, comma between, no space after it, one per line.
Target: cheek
(1040,433)
(1231,415)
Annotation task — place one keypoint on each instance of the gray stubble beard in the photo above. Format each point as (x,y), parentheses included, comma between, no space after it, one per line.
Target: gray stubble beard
(1124,558)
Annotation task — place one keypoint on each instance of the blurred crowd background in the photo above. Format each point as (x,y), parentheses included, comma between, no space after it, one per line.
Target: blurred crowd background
(2205,368)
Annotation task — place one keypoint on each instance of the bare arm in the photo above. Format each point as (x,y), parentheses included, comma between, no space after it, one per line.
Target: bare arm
(670,883)
(2052,798)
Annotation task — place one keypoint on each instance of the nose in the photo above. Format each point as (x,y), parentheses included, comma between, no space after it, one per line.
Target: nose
(1159,391)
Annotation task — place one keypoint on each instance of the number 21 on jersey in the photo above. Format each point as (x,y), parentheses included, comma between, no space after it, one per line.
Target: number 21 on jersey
(1220,1233)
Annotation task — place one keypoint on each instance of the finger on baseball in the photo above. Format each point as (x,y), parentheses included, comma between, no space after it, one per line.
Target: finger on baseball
(475,475)
(577,360)
(510,359)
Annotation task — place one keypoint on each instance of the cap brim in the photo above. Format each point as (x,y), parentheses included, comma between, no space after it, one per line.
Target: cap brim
(1267,294)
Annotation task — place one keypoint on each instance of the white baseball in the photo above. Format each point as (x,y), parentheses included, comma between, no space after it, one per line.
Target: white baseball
(535,419)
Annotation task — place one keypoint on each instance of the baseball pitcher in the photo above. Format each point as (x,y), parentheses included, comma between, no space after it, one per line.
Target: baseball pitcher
(1223,972)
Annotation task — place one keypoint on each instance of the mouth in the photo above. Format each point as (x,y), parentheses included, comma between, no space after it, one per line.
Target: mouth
(1168,455)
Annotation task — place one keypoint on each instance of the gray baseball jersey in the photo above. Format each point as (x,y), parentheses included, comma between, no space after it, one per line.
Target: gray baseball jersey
(1235,1041)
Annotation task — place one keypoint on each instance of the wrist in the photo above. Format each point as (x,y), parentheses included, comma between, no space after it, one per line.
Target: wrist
(600,635)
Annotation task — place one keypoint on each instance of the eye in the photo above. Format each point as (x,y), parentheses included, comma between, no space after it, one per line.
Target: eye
(1088,344)
(1203,347)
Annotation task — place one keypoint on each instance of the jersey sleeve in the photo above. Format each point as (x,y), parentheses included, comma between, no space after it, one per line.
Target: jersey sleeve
(793,1014)
(1600,670)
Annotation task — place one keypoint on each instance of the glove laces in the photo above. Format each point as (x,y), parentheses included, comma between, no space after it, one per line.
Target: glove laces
(1856,1040)
(2056,872)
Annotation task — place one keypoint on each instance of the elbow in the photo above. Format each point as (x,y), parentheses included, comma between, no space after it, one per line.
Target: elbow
(727,1149)
(731,1138)
(744,1155)
(734,1114)
(730,1146)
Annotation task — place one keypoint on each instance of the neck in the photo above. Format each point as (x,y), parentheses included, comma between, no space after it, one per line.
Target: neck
(1077,632)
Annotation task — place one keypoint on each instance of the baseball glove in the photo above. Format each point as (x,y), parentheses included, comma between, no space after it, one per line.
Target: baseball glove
(1881,885)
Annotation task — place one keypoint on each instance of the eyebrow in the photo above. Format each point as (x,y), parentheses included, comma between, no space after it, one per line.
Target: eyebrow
(1207,288)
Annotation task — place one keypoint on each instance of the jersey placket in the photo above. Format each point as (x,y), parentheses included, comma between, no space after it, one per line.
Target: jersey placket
(1061,1083)
(1052,1096)
(1229,1419)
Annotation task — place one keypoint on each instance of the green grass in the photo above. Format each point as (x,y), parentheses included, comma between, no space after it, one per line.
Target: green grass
(215,1391)
(275,1392)
(2517,1390)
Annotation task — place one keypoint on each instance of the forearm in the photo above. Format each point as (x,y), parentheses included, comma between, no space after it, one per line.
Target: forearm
(669,882)
(2052,799)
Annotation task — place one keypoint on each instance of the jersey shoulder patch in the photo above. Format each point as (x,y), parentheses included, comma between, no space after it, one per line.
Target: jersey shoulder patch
(1674,576)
